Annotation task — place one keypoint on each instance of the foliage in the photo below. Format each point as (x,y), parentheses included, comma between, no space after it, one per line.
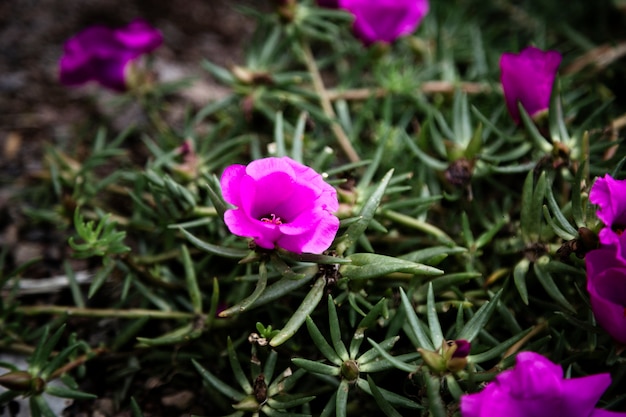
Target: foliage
(455,223)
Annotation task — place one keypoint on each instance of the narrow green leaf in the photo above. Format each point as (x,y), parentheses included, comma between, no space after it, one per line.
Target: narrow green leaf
(383,404)
(244,304)
(39,407)
(66,392)
(498,350)
(134,407)
(217,250)
(476,143)
(525,213)
(238,373)
(335,330)
(179,335)
(435,403)
(279,135)
(215,195)
(216,383)
(547,282)
(536,208)
(367,321)
(436,334)
(540,142)
(44,349)
(577,202)
(391,397)
(342,398)
(403,366)
(558,214)
(192,283)
(560,232)
(316,367)
(283,287)
(371,265)
(476,323)
(298,138)
(432,255)
(372,354)
(414,323)
(309,303)
(442,283)
(321,343)
(367,213)
(519,277)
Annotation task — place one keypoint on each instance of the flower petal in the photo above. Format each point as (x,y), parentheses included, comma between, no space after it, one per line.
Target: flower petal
(230,183)
(607,293)
(385,20)
(581,395)
(528,78)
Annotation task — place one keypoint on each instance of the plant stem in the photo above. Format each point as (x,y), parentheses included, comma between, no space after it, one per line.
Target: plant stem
(135,313)
(419,225)
(427,87)
(327,107)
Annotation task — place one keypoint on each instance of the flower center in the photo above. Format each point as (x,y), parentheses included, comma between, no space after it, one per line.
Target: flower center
(273,219)
(618,228)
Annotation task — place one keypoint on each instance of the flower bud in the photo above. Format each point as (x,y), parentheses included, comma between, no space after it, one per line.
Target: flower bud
(350,370)
(456,352)
(435,362)
(22,381)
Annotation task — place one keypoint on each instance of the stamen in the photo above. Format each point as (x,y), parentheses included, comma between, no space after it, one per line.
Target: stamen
(274,219)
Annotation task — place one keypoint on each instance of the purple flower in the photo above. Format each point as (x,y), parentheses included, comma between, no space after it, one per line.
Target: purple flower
(606,285)
(383,20)
(527,78)
(609,195)
(281,202)
(102,54)
(536,388)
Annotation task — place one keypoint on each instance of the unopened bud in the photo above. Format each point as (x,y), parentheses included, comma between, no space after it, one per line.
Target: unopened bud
(433,360)
(350,370)
(16,380)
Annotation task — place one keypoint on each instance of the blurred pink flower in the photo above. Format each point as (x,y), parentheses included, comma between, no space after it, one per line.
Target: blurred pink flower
(606,285)
(102,54)
(535,388)
(528,78)
(281,202)
(609,195)
(382,20)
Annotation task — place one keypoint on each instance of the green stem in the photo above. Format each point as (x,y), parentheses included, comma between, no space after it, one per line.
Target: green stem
(135,313)
(418,224)
(318,85)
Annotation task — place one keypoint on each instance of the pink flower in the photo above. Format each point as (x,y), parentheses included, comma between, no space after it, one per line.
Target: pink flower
(281,202)
(609,195)
(528,78)
(536,388)
(102,54)
(383,20)
(606,285)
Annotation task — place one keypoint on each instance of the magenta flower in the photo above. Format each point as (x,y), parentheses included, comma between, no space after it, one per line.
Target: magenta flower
(102,54)
(536,388)
(528,78)
(281,202)
(383,20)
(609,195)
(606,285)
